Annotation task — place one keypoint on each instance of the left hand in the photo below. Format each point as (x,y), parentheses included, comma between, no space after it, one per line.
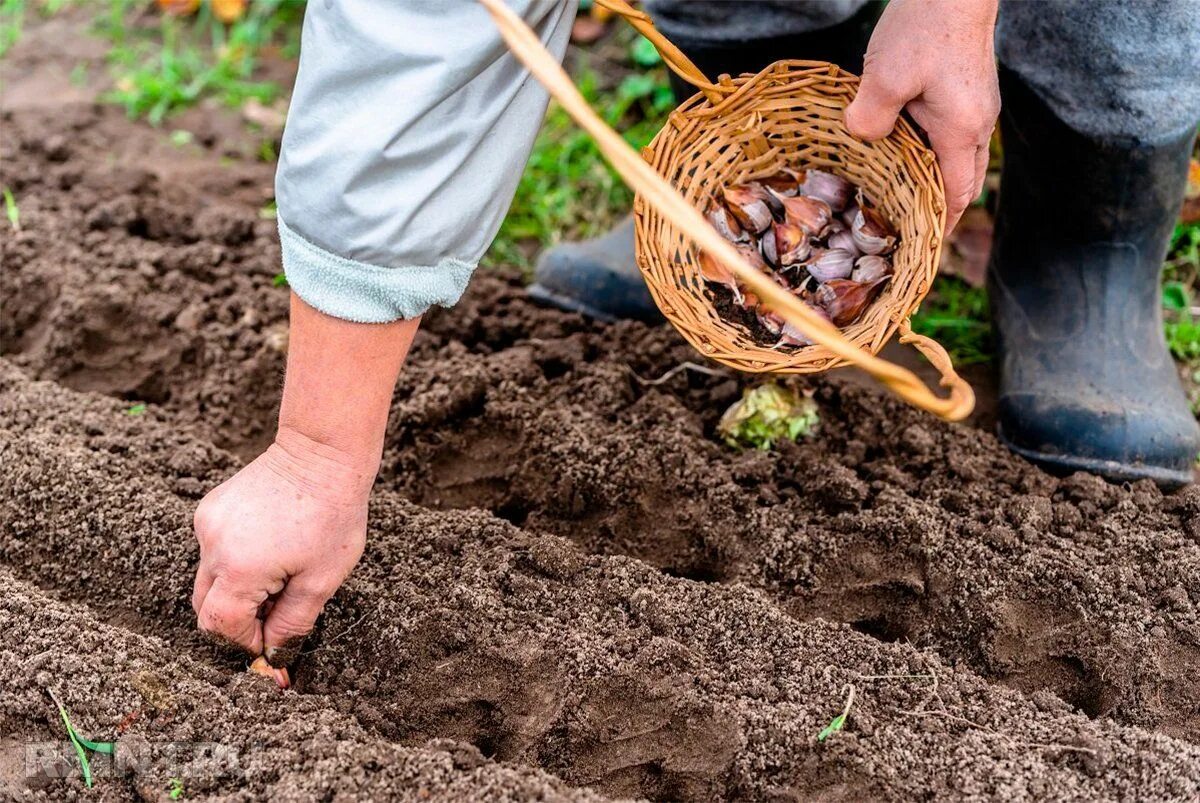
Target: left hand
(937,59)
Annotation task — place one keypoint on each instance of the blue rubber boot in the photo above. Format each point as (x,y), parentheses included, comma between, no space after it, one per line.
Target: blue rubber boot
(1082,228)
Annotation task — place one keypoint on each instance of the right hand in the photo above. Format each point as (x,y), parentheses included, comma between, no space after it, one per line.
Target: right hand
(286,530)
(937,59)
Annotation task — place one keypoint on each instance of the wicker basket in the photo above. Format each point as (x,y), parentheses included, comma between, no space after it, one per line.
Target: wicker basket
(739,129)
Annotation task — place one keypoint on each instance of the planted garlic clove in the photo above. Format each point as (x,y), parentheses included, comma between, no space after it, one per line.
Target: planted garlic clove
(830,265)
(844,240)
(750,205)
(845,300)
(786,182)
(872,233)
(811,214)
(725,223)
(791,244)
(871,267)
(832,189)
(278,674)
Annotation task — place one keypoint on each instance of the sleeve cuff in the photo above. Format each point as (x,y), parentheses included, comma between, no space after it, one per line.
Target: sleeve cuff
(362,293)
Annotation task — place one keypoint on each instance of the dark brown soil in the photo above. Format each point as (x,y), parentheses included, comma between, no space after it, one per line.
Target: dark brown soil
(571,589)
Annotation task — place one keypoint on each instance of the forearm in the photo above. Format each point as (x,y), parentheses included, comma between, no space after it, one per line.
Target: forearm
(338,389)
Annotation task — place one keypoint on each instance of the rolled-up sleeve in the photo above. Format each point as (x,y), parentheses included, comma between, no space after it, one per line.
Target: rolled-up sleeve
(409,127)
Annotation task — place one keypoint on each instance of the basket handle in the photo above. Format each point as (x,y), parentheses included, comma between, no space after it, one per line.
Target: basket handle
(672,56)
(658,192)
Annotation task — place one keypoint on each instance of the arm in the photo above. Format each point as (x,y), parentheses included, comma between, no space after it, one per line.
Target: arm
(937,59)
(291,525)
(409,126)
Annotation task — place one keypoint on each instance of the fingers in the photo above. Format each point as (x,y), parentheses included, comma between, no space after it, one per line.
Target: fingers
(872,114)
(292,617)
(200,587)
(961,174)
(229,612)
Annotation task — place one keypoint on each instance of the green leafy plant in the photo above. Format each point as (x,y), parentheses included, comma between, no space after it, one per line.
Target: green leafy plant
(82,746)
(643,53)
(1180,327)
(280,280)
(11,211)
(765,414)
(838,722)
(176,789)
(136,409)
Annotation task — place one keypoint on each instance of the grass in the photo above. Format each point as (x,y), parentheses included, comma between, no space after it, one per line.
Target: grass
(11,211)
(956,315)
(173,63)
(82,746)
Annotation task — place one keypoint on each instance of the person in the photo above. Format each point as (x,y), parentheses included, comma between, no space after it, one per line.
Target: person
(408,130)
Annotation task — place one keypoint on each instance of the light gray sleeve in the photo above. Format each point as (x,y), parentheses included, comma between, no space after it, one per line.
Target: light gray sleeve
(409,127)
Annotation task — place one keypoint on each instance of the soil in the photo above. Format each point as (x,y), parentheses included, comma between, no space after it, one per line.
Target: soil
(571,590)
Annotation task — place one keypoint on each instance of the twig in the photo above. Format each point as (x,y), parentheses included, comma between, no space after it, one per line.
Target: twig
(683,366)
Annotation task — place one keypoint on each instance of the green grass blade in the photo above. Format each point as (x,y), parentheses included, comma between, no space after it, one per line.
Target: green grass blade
(11,210)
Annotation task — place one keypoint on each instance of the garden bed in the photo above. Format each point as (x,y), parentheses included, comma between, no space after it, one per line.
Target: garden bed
(571,589)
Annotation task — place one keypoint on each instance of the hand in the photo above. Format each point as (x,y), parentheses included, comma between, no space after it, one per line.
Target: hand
(285,530)
(935,57)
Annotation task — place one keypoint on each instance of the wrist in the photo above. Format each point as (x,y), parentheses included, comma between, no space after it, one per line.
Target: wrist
(320,468)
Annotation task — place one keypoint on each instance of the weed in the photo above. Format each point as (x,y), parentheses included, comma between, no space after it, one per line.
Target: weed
(956,315)
(280,280)
(136,409)
(81,745)
(177,62)
(12,20)
(838,722)
(269,211)
(11,211)
(176,789)
(766,414)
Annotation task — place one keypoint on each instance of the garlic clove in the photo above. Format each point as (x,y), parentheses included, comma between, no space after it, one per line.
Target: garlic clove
(872,233)
(791,244)
(832,189)
(811,214)
(750,205)
(844,240)
(278,674)
(769,247)
(725,223)
(831,264)
(845,300)
(786,182)
(871,267)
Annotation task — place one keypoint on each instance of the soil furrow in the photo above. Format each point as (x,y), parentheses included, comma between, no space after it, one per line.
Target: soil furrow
(224,736)
(601,670)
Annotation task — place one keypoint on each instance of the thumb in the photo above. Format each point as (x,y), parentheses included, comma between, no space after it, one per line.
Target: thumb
(873,112)
(291,619)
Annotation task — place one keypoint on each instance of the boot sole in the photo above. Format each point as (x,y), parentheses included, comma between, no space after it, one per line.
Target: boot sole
(1109,469)
(545,296)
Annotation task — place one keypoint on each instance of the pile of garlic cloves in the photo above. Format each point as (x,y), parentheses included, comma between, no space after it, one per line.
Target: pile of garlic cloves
(815,234)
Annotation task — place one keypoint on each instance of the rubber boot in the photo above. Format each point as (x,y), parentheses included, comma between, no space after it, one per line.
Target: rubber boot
(1082,228)
(600,277)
